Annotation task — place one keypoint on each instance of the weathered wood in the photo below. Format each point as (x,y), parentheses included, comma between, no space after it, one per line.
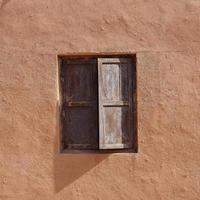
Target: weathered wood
(115,103)
(79,111)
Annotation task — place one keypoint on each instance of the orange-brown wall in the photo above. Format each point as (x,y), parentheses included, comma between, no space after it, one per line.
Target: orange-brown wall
(165,35)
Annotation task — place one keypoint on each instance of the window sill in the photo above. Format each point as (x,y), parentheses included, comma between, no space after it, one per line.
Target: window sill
(105,151)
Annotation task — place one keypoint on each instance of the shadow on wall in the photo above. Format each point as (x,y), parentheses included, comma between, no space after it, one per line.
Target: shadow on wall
(69,167)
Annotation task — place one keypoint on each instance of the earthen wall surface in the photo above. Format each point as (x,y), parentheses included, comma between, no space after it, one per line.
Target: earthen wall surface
(165,35)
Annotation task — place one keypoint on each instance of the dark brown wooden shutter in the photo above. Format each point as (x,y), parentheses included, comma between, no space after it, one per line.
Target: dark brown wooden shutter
(80,107)
(115,103)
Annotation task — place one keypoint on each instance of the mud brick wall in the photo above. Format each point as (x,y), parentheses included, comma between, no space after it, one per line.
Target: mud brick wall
(165,35)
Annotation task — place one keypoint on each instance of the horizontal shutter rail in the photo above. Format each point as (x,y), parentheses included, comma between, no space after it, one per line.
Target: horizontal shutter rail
(115,103)
(115,146)
(79,104)
(80,146)
(79,61)
(115,60)
(114,63)
(86,63)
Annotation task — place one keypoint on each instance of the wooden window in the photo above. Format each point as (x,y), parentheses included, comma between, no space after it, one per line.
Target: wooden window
(115,103)
(79,99)
(98,110)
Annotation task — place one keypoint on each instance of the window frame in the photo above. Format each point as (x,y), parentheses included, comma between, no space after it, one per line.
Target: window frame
(134,149)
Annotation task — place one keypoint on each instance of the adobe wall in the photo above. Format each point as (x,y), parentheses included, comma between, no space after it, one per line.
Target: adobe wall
(165,35)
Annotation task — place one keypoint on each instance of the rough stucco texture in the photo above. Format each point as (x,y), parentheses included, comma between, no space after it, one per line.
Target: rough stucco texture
(166,37)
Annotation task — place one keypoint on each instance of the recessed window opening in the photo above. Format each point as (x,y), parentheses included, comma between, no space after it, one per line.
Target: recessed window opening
(98,109)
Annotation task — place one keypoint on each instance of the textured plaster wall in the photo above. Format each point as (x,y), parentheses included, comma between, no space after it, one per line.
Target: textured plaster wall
(165,34)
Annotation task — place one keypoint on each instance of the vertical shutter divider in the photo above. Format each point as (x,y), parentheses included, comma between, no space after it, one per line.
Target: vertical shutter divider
(100,106)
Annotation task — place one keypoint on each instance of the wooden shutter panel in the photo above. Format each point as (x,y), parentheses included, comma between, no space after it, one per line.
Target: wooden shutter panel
(80,115)
(115,103)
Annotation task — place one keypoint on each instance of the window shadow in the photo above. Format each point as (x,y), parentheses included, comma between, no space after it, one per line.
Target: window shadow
(68,167)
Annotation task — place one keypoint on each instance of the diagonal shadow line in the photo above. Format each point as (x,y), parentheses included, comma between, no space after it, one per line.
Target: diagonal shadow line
(70,167)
